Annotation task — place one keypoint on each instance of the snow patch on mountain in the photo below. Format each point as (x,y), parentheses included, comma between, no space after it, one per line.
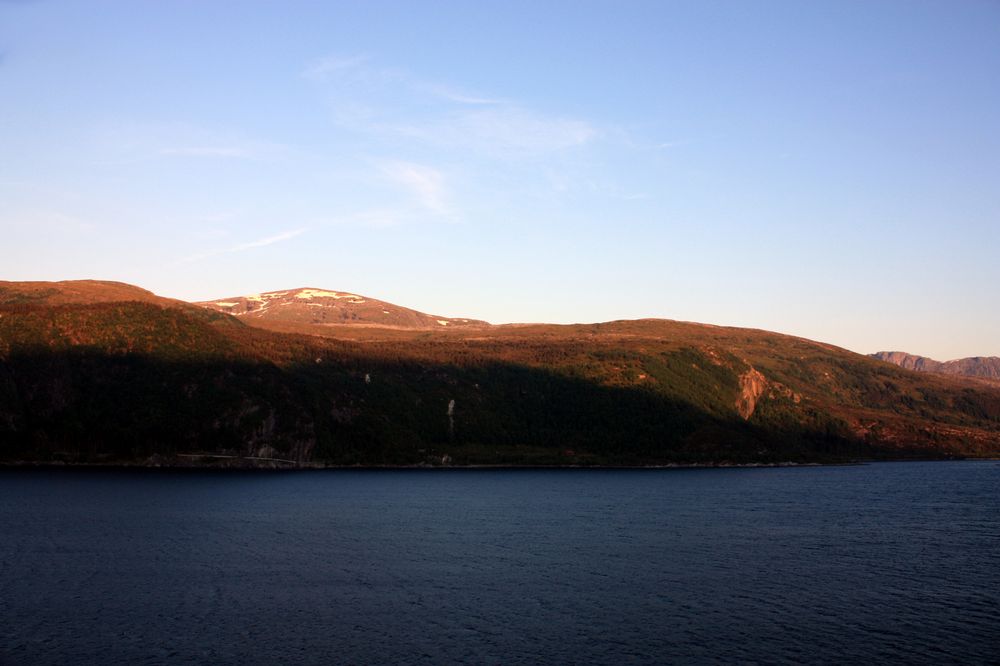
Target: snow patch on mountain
(320,293)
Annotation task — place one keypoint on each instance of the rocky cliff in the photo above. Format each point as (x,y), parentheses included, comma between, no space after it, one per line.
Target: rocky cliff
(986,367)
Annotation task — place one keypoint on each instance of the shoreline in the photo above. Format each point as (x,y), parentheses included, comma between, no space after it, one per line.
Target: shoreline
(24,464)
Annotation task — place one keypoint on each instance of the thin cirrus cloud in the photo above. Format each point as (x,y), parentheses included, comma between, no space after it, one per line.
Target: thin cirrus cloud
(211,147)
(391,104)
(130,142)
(48,220)
(519,131)
(324,67)
(261,242)
(417,124)
(504,133)
(236,152)
(425,184)
(458,96)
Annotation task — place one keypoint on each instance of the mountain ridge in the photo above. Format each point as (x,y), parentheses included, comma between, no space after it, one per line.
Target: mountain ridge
(146,381)
(984,367)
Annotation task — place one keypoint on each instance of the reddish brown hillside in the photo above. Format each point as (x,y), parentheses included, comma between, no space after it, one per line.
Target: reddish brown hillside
(75,292)
(144,381)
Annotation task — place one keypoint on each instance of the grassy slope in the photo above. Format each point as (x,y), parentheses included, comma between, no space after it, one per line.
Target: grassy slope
(125,381)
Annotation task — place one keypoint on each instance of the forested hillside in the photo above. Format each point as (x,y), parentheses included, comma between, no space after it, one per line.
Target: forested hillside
(166,383)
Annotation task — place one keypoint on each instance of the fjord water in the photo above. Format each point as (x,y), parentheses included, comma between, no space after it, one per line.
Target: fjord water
(890,562)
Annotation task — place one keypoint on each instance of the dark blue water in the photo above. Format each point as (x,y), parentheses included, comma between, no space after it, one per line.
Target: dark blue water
(878,563)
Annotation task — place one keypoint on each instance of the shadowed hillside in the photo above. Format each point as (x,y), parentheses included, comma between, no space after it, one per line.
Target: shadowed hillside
(147,382)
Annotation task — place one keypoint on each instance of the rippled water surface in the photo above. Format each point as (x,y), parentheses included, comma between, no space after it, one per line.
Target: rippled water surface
(892,562)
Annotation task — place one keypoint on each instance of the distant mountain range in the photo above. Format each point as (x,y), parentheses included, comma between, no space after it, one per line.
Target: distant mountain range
(986,367)
(104,372)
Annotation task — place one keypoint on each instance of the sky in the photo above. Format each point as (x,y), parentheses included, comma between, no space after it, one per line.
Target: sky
(827,169)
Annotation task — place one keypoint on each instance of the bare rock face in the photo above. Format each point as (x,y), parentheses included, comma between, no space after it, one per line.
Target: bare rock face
(975,366)
(325,307)
(987,367)
(752,387)
(909,361)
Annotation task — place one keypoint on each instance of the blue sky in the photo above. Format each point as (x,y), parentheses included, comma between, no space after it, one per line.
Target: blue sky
(825,169)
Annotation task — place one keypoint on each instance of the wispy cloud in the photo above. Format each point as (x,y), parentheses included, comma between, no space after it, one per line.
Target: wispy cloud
(240,152)
(329,65)
(458,96)
(505,131)
(49,220)
(513,130)
(373,218)
(222,146)
(270,240)
(499,141)
(672,144)
(394,105)
(424,183)
(260,242)
(131,142)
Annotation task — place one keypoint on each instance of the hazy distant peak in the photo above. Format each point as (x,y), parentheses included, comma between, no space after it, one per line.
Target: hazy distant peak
(976,366)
